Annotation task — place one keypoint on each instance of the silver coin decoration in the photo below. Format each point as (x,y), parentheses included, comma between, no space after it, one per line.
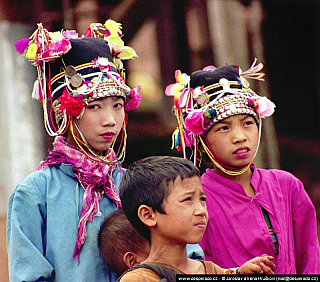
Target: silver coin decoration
(70,71)
(76,80)
(201,99)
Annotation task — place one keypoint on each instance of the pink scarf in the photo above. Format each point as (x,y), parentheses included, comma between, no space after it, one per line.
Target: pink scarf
(94,176)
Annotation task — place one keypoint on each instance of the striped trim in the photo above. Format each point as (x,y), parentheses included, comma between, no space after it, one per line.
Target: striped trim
(80,67)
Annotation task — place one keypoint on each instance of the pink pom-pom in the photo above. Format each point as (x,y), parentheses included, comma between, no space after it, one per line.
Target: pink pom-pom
(133,99)
(22,45)
(209,68)
(265,107)
(195,123)
(250,102)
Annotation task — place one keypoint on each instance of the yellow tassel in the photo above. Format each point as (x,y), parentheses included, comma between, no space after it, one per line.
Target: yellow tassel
(31,53)
(174,137)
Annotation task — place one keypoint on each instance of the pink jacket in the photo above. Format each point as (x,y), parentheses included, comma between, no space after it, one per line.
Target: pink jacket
(237,231)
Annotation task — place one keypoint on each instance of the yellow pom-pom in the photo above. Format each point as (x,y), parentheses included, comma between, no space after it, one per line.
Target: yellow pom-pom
(31,53)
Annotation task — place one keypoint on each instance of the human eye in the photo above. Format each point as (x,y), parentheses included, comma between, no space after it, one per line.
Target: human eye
(222,128)
(248,122)
(187,199)
(203,199)
(118,105)
(93,106)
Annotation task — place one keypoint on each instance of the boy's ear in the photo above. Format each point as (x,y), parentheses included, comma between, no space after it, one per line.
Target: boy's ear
(129,259)
(146,215)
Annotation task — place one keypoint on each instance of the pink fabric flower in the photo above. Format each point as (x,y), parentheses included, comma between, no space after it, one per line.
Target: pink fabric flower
(133,99)
(70,34)
(265,107)
(195,123)
(176,89)
(57,49)
(72,105)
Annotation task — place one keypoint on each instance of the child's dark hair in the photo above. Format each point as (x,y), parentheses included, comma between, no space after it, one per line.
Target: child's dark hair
(148,181)
(116,237)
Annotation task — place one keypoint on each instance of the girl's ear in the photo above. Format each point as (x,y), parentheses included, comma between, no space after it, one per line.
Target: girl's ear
(146,215)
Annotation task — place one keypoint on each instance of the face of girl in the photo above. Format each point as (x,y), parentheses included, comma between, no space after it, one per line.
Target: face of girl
(101,123)
(234,141)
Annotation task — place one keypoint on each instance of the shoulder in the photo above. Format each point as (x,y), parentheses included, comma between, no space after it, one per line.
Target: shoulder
(34,181)
(140,274)
(212,268)
(278,178)
(210,176)
(284,183)
(37,182)
(57,172)
(277,173)
(49,172)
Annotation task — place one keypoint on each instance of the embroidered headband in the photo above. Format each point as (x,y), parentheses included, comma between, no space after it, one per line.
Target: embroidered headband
(73,71)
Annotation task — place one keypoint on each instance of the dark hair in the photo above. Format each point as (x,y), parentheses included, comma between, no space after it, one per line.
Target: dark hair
(148,182)
(116,237)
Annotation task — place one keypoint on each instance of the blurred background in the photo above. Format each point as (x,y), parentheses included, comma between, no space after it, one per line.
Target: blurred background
(167,35)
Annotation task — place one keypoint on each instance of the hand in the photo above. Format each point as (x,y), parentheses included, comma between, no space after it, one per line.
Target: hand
(259,265)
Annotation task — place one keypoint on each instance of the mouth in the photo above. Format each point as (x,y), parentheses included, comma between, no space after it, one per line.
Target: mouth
(201,224)
(108,135)
(242,152)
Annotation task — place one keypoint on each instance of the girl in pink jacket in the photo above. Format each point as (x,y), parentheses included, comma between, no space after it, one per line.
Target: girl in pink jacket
(251,210)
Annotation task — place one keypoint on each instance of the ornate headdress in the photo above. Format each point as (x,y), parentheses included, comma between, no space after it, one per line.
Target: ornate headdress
(73,71)
(210,95)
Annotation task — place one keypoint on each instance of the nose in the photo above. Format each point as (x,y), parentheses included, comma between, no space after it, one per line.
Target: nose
(108,118)
(239,135)
(200,208)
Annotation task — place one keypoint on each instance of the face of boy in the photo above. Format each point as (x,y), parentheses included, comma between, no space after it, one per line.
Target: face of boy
(101,122)
(186,214)
(234,141)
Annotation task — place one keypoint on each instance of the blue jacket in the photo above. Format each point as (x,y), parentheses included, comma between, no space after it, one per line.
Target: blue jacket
(42,224)
(43,216)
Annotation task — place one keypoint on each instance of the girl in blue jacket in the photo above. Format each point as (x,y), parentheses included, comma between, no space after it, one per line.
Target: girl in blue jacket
(54,215)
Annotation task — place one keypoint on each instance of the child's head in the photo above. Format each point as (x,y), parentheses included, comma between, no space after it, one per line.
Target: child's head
(120,245)
(213,96)
(148,187)
(75,76)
